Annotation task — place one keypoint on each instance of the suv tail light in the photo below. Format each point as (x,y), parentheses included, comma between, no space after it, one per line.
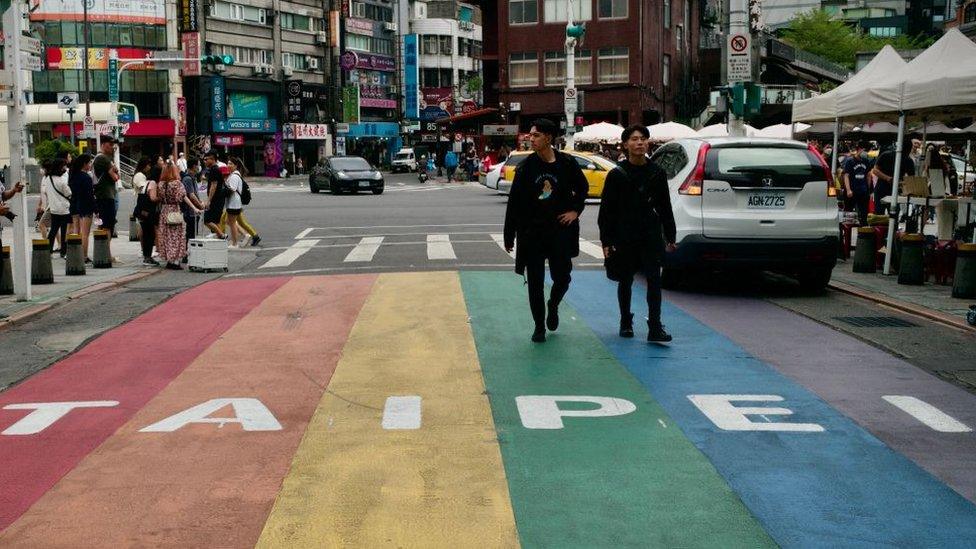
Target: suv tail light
(693,185)
(831,189)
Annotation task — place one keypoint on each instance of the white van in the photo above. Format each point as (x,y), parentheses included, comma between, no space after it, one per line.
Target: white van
(405,160)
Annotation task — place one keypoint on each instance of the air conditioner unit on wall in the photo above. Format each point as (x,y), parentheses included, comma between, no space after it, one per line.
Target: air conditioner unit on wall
(263,69)
(321,38)
(287,71)
(313,63)
(392,27)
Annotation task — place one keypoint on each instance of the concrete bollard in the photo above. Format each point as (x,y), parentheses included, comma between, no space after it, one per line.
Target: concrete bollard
(964,280)
(865,250)
(75,259)
(911,270)
(41,270)
(133,229)
(101,258)
(6,274)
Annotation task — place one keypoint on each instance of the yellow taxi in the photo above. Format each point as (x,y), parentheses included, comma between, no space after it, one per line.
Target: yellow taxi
(594,167)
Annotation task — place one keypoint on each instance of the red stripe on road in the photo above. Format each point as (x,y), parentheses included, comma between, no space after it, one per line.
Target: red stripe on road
(129,364)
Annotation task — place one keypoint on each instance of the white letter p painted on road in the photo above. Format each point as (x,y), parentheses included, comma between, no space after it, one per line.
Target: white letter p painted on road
(542,412)
(727,417)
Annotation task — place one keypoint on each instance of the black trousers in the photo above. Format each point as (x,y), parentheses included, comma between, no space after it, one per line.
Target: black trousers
(535,271)
(861,204)
(59,223)
(645,262)
(148,238)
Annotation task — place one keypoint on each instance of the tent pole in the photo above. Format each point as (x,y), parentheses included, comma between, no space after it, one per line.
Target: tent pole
(893,208)
(833,157)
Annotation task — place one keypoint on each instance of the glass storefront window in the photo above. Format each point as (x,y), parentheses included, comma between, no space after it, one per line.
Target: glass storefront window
(69,33)
(52,32)
(99,36)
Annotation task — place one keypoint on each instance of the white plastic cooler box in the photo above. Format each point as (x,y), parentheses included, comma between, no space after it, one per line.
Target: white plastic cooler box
(207,254)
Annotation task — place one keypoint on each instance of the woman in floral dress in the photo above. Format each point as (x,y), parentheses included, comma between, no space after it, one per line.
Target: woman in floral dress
(171,232)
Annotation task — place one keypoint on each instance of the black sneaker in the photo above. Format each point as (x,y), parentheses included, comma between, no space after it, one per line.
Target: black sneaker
(656,334)
(539,335)
(552,318)
(255,240)
(149,261)
(627,325)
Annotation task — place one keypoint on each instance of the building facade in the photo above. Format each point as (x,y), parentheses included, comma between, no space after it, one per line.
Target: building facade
(271,106)
(964,18)
(637,62)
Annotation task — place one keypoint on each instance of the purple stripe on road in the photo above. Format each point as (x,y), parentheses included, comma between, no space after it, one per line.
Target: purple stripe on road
(853,377)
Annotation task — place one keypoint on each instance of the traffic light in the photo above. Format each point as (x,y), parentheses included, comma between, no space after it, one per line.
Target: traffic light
(576,31)
(217,60)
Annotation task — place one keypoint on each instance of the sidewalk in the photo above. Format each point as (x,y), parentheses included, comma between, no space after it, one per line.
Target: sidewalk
(66,288)
(933,301)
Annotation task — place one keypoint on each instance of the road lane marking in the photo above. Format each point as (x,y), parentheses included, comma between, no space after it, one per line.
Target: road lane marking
(590,249)
(402,413)
(500,240)
(365,250)
(439,247)
(287,257)
(931,416)
(304,233)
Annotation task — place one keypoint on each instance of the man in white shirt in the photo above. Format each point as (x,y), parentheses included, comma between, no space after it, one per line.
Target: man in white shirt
(181,163)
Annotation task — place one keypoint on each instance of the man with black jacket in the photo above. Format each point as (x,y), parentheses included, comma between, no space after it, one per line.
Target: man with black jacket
(636,226)
(547,197)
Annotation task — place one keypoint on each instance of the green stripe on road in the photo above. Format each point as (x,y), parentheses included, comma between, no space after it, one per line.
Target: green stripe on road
(623,481)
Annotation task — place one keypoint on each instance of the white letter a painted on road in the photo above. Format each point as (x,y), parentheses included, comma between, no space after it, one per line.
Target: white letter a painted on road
(250,413)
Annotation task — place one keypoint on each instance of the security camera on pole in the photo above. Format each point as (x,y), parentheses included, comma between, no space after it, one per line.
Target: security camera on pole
(574,37)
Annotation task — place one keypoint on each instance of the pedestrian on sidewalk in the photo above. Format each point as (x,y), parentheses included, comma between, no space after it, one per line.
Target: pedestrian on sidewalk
(191,211)
(6,195)
(856,183)
(106,193)
(215,195)
(547,197)
(450,164)
(147,208)
(234,205)
(884,170)
(83,203)
(636,227)
(182,163)
(171,232)
(58,203)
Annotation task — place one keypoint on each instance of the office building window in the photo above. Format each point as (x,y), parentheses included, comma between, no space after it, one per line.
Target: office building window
(357,42)
(609,9)
(667,14)
(554,68)
(558,10)
(521,12)
(666,71)
(969,16)
(296,22)
(429,44)
(523,69)
(614,65)
(446,45)
(679,38)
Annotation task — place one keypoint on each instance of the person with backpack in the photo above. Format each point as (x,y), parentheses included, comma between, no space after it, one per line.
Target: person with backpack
(234,187)
(58,199)
(242,222)
(146,210)
(636,227)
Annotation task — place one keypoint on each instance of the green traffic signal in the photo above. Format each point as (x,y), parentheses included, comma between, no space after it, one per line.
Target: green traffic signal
(227,59)
(217,59)
(576,31)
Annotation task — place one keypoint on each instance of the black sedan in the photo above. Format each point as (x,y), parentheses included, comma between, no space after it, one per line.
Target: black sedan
(341,174)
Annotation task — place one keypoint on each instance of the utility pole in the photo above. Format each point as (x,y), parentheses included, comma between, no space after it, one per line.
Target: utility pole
(13,29)
(84,58)
(574,36)
(738,26)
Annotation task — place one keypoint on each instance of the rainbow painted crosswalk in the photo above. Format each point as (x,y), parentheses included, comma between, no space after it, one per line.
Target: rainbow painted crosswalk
(411,410)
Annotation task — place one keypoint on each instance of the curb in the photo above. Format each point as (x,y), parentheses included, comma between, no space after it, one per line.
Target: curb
(30,312)
(902,306)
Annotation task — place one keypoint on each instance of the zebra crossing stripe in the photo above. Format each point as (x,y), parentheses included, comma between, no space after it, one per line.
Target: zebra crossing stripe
(289,256)
(439,247)
(500,240)
(365,250)
(591,249)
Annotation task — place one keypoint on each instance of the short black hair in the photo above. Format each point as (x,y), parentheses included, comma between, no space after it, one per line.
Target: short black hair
(210,154)
(629,130)
(192,161)
(546,126)
(108,139)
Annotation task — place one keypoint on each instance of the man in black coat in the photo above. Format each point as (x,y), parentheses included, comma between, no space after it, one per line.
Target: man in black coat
(636,226)
(547,197)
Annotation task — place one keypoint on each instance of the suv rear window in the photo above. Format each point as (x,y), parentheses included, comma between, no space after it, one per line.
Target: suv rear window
(750,166)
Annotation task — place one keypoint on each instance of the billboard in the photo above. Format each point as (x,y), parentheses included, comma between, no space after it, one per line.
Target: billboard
(436,103)
(350,104)
(73,58)
(411,78)
(149,12)
(188,11)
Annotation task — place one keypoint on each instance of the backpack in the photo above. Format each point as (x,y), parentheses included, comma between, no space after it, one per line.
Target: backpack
(245,192)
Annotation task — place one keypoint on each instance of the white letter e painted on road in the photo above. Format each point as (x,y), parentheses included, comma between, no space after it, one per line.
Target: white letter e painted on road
(542,412)
(727,417)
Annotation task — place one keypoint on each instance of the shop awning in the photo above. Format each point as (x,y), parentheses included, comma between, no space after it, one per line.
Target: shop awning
(147,127)
(466,116)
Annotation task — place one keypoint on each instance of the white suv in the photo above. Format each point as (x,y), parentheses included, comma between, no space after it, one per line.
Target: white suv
(751,203)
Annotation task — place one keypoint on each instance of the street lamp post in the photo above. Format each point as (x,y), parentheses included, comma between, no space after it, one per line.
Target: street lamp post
(574,35)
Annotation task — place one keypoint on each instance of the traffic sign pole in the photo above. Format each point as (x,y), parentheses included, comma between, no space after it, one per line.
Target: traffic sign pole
(71,124)
(13,26)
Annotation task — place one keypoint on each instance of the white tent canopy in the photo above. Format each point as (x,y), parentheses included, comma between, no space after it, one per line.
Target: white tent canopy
(824,107)
(601,132)
(722,130)
(781,131)
(938,84)
(666,131)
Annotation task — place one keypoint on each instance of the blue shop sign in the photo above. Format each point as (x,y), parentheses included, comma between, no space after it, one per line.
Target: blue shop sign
(374,129)
(247,126)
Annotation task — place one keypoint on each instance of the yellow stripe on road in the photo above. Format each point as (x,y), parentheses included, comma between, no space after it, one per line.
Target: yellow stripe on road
(434,476)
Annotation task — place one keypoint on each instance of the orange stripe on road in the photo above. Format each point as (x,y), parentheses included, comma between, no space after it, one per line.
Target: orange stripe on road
(207,485)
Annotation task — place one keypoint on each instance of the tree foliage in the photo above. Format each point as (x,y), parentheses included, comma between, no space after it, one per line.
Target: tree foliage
(819,33)
(48,150)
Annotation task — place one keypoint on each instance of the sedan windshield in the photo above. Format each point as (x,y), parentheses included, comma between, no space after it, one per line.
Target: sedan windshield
(351,164)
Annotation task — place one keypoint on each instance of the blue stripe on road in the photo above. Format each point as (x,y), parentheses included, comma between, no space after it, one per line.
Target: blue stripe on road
(839,487)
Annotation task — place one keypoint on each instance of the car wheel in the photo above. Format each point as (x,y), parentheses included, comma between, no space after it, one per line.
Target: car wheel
(333,188)
(378,190)
(814,282)
(312,186)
